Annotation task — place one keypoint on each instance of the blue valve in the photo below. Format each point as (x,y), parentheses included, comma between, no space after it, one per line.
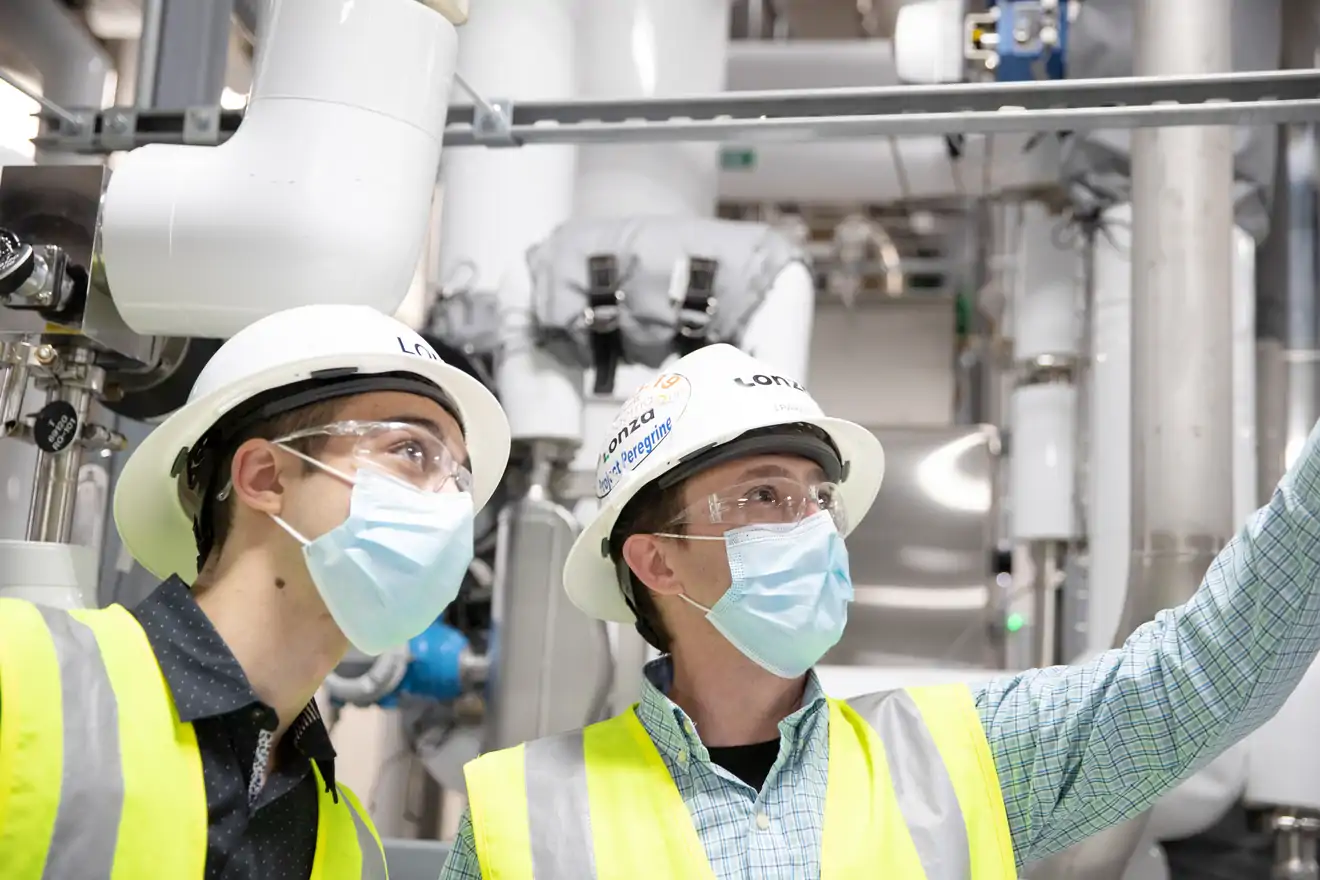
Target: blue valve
(1032,40)
(435,667)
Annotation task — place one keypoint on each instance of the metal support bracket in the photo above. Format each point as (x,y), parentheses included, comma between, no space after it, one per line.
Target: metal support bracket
(118,130)
(201,125)
(492,125)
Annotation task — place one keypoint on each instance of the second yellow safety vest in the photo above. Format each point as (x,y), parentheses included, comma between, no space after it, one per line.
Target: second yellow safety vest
(912,794)
(98,776)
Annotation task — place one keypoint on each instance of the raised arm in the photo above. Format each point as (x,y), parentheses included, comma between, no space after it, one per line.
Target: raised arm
(1084,747)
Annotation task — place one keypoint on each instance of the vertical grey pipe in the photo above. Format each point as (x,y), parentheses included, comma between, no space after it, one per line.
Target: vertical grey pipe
(1182,380)
(1272,332)
(148,59)
(1302,335)
(1182,246)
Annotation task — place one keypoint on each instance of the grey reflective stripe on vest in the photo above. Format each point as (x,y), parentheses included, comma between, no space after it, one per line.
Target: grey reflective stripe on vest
(559,816)
(925,792)
(373,860)
(82,843)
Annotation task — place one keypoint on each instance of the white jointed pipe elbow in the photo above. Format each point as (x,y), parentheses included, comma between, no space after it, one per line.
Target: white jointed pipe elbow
(323,195)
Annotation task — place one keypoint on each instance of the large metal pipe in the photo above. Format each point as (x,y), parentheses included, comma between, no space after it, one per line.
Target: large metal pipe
(1182,355)
(1182,271)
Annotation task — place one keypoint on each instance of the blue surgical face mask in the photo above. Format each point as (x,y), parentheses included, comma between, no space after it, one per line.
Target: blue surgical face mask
(788,602)
(394,565)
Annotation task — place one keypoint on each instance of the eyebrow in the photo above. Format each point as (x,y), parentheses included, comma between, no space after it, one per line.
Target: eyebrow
(435,427)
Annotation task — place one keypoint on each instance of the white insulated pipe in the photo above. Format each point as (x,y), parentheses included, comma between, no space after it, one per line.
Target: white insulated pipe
(1046,301)
(323,195)
(496,204)
(1045,306)
(646,49)
(1044,420)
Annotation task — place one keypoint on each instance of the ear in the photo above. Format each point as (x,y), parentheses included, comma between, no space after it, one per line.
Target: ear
(256,476)
(645,555)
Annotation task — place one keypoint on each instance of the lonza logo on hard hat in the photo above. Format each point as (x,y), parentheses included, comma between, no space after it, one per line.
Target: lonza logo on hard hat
(643,424)
(761,380)
(419,348)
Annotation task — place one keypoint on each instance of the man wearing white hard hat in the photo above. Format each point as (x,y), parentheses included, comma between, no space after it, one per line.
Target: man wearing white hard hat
(725,496)
(317,490)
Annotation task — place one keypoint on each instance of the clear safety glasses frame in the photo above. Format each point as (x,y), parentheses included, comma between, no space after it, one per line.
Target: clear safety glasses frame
(765,501)
(412,452)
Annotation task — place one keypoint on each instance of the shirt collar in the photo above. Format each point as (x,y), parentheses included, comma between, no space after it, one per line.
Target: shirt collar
(673,731)
(205,678)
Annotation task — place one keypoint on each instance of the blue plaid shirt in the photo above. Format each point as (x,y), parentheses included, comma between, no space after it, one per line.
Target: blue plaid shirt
(1077,748)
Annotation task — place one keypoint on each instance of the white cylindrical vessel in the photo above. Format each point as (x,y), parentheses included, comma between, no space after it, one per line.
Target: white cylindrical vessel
(496,204)
(1042,453)
(644,49)
(1046,288)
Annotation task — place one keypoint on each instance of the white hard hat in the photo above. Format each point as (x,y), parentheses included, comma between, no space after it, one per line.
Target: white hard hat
(313,346)
(708,398)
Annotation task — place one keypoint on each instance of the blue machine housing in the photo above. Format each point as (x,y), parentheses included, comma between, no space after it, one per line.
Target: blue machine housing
(1033,61)
(435,668)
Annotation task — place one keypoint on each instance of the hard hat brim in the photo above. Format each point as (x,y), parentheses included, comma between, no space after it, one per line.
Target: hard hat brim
(590,577)
(149,514)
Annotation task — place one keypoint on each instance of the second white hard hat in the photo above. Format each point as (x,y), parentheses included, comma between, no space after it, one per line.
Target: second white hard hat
(708,398)
(316,342)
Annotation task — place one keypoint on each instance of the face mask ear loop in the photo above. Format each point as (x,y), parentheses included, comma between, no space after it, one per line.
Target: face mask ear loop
(694,603)
(293,533)
(684,596)
(319,465)
(334,472)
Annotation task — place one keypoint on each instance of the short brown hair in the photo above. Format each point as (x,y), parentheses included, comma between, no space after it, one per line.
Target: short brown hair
(654,509)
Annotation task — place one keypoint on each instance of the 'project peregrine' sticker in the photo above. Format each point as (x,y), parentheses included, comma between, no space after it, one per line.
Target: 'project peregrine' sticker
(645,421)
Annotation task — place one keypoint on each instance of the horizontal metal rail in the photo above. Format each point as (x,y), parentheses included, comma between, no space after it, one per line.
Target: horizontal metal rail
(1256,98)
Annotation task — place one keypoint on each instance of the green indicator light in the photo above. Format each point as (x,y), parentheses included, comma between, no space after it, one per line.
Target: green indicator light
(1015,622)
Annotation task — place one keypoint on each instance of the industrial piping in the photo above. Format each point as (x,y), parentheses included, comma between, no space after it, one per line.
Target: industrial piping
(1182,428)
(1182,276)
(322,195)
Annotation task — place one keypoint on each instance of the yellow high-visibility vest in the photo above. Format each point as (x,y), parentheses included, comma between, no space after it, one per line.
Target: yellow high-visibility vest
(912,794)
(100,778)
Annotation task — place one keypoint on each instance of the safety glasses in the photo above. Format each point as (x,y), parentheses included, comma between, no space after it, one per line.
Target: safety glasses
(765,501)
